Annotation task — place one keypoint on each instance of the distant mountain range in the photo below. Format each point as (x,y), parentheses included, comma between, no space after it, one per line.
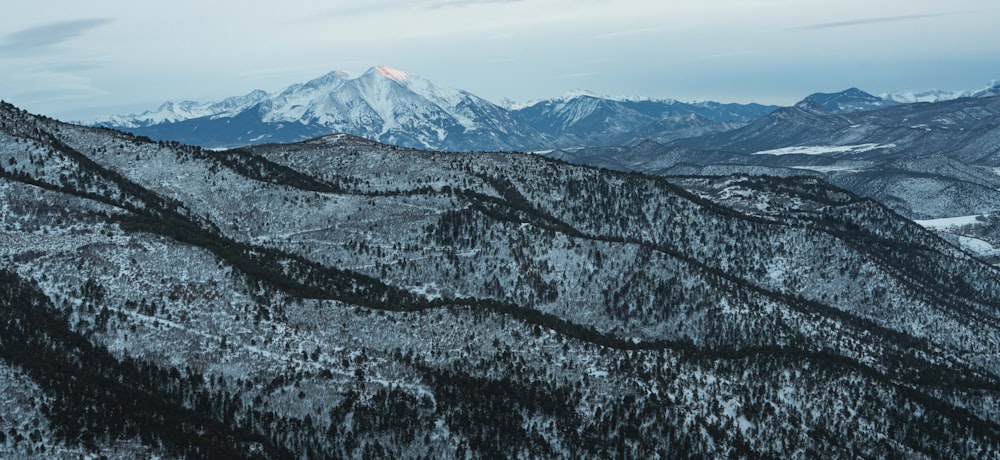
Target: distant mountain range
(856,100)
(395,107)
(925,160)
(907,97)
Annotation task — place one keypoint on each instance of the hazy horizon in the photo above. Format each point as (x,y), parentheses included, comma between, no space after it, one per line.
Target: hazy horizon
(101,58)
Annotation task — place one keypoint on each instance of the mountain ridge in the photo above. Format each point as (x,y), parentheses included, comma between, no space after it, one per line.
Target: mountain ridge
(339,298)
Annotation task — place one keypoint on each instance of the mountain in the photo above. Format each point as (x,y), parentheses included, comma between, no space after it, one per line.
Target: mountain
(805,122)
(392,106)
(583,119)
(342,298)
(383,103)
(848,101)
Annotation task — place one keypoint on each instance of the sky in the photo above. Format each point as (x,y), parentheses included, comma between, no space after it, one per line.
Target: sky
(82,60)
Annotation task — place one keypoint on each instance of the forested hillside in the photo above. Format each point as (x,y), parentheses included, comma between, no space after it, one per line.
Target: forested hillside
(342,298)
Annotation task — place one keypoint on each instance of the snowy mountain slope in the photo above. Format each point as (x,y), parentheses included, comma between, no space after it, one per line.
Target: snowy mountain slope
(342,298)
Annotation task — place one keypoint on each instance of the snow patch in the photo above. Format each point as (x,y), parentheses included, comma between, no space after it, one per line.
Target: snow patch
(429,291)
(826,169)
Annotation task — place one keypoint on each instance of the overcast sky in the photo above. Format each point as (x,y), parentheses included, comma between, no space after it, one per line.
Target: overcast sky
(76,60)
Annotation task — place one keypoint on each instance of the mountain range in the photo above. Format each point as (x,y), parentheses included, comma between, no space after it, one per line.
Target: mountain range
(339,298)
(907,97)
(392,106)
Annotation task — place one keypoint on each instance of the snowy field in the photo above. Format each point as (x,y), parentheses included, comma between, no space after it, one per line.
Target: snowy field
(824,149)
(977,246)
(826,169)
(950,222)
(974,245)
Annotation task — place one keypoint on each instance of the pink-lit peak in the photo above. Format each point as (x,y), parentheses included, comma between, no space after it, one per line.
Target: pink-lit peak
(342,73)
(389,72)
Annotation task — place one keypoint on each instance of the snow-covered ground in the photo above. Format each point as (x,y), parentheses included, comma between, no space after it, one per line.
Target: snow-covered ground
(978,246)
(824,149)
(949,227)
(950,222)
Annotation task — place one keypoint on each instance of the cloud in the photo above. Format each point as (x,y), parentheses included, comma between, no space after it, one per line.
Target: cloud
(46,86)
(32,39)
(69,67)
(572,75)
(465,3)
(352,10)
(634,32)
(866,21)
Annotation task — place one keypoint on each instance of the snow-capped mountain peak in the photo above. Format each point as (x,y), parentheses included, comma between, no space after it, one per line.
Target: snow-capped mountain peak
(390,73)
